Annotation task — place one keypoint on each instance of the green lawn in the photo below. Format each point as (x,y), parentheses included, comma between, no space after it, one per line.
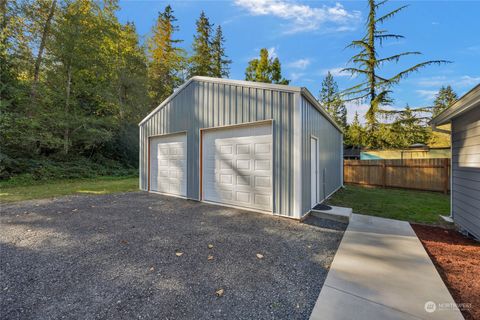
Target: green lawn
(408,205)
(37,190)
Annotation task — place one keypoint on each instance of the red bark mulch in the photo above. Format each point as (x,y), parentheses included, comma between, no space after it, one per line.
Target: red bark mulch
(457,259)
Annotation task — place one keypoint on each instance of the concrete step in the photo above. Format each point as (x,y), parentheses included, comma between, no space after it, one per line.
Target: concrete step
(341,214)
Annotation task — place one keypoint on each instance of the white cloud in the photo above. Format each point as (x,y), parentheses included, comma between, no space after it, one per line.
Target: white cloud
(427,94)
(438,81)
(336,72)
(294,76)
(302,17)
(301,64)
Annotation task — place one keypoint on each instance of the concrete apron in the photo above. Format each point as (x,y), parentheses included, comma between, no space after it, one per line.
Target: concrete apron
(382,271)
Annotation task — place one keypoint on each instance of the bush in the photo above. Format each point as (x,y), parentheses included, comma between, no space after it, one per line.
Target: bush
(20,171)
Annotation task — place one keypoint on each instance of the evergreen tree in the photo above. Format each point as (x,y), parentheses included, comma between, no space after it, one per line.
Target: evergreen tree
(376,88)
(443,99)
(354,135)
(265,69)
(220,60)
(167,60)
(408,128)
(202,58)
(331,100)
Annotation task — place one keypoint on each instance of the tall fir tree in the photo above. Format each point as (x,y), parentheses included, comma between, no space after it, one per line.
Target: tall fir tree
(376,88)
(202,57)
(167,60)
(330,98)
(443,100)
(265,69)
(354,135)
(220,68)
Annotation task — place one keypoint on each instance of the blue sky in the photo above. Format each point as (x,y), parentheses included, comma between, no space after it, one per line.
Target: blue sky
(310,37)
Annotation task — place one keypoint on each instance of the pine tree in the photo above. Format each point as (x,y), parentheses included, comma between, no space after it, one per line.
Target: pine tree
(167,60)
(201,60)
(265,69)
(408,128)
(443,99)
(354,135)
(376,89)
(331,100)
(220,60)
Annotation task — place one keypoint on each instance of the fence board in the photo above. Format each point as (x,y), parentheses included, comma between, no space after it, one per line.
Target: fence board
(418,174)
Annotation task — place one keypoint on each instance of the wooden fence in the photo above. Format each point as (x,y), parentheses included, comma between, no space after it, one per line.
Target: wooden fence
(419,174)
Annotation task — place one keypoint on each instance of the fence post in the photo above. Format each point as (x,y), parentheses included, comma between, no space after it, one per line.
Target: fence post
(445,176)
(384,174)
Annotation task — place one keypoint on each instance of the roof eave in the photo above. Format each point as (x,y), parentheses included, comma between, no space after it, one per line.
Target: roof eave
(468,101)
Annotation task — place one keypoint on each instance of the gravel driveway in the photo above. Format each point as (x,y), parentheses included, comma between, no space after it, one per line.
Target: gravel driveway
(118,257)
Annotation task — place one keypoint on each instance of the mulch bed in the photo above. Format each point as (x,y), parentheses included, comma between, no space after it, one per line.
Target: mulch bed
(457,259)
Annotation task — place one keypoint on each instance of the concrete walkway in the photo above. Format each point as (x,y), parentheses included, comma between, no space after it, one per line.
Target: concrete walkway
(382,271)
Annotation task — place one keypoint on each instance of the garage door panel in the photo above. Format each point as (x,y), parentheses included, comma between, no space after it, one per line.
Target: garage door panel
(168,164)
(239,171)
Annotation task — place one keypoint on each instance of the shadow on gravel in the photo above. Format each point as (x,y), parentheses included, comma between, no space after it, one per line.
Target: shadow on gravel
(114,256)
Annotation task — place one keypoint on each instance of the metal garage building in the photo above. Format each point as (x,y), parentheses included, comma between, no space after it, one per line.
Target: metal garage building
(266,147)
(464,117)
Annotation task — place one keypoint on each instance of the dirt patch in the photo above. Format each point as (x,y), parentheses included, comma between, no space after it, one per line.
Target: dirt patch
(457,260)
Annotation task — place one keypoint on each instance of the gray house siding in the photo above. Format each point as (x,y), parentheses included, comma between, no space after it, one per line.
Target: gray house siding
(207,104)
(330,153)
(466,171)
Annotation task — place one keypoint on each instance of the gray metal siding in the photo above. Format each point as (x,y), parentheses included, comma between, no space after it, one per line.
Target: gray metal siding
(205,104)
(330,150)
(466,171)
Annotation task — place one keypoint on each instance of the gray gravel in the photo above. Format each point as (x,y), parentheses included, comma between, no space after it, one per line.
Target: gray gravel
(114,257)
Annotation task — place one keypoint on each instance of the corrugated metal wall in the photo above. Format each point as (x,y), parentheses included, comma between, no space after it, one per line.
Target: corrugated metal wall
(204,104)
(330,148)
(466,171)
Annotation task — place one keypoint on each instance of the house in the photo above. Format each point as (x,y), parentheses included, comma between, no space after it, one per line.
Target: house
(265,147)
(416,151)
(464,117)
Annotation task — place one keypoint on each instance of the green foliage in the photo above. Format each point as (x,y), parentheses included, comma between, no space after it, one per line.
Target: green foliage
(209,57)
(355,133)
(367,64)
(443,100)
(265,69)
(220,60)
(63,106)
(167,61)
(330,98)
(201,60)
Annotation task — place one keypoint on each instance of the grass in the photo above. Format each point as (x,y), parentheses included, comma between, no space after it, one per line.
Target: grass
(408,205)
(41,190)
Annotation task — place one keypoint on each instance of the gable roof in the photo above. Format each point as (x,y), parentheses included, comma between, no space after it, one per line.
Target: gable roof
(467,102)
(279,87)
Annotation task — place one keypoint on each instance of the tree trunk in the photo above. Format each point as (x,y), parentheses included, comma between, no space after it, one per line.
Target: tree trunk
(38,60)
(66,134)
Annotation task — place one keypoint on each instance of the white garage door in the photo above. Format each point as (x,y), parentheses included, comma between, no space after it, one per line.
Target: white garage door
(168,164)
(237,166)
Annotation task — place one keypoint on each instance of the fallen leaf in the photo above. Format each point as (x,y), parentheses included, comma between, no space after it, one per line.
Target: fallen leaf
(219,292)
(210,246)
(124,241)
(210,257)
(178,253)
(259,256)
(152,268)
